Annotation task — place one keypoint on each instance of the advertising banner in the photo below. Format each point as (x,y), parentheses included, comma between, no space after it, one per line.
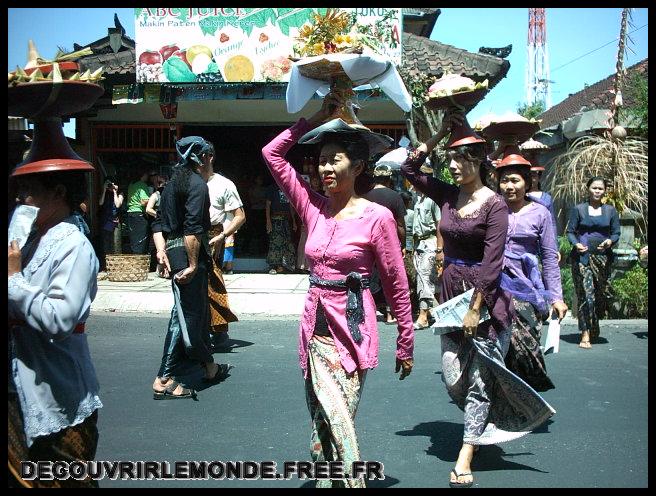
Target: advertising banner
(198,45)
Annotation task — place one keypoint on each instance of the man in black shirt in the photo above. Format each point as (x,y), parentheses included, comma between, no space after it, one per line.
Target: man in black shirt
(180,235)
(383,194)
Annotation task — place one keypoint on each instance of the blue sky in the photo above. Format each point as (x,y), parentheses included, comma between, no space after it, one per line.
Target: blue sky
(571,33)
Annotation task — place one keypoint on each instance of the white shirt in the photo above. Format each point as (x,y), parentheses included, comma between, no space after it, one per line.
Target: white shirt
(51,366)
(223,198)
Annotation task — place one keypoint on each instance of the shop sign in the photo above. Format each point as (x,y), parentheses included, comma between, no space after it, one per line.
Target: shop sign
(208,45)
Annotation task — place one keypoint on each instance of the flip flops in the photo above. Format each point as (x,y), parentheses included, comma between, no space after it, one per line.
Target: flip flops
(460,485)
(167,394)
(221,374)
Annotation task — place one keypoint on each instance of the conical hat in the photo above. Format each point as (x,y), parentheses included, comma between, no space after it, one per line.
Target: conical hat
(512,156)
(463,135)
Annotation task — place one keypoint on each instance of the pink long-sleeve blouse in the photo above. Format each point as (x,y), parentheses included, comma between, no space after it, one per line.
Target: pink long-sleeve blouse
(334,248)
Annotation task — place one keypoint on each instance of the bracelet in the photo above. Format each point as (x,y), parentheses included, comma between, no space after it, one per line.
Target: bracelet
(439,249)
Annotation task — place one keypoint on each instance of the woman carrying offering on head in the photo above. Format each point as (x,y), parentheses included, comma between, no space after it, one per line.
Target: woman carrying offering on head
(347,235)
(497,405)
(535,295)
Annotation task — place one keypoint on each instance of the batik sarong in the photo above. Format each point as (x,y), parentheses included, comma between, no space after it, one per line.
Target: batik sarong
(426,276)
(498,405)
(75,443)
(281,248)
(525,358)
(592,286)
(332,397)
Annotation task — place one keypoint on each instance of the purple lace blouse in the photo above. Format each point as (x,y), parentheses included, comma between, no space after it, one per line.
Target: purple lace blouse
(478,237)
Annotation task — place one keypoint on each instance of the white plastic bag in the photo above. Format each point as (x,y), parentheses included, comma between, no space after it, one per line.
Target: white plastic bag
(553,336)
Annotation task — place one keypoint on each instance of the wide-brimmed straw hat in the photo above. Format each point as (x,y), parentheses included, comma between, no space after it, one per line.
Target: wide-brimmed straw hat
(337,127)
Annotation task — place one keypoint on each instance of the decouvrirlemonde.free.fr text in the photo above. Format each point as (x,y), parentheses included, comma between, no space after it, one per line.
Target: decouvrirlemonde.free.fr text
(194,470)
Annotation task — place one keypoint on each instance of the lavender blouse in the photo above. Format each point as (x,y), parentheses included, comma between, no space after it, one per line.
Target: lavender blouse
(478,237)
(531,231)
(334,248)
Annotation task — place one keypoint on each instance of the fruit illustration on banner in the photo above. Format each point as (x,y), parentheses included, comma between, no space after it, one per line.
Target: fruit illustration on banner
(263,37)
(168,50)
(224,37)
(195,50)
(149,67)
(239,68)
(183,55)
(200,63)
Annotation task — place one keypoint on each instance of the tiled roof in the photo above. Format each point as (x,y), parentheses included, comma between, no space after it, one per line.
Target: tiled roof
(424,56)
(113,63)
(418,11)
(595,96)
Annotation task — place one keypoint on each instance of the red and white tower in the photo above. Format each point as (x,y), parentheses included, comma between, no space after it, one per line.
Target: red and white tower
(537,67)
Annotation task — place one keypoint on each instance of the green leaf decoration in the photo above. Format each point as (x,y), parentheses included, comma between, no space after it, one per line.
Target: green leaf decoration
(176,70)
(212,67)
(183,13)
(209,25)
(137,12)
(297,19)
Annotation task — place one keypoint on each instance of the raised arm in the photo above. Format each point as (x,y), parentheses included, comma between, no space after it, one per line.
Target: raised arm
(430,186)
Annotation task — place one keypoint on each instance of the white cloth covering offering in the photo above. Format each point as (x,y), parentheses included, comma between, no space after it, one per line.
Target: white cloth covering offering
(367,71)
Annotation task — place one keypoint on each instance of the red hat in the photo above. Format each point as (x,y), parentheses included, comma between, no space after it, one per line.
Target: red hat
(536,167)
(512,156)
(463,135)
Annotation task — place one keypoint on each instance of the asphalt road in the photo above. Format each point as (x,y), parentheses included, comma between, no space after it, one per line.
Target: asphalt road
(598,437)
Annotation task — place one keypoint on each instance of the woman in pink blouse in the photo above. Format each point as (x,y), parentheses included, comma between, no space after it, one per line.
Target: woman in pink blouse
(347,234)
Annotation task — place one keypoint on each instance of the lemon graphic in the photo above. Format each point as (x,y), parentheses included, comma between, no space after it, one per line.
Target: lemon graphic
(239,69)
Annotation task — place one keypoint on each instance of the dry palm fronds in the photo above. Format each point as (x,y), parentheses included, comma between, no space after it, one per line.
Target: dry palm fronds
(622,163)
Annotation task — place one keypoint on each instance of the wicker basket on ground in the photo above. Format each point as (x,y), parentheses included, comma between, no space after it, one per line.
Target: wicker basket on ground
(127,268)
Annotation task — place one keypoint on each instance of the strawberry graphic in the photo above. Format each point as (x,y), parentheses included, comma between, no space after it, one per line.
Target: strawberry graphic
(263,37)
(224,37)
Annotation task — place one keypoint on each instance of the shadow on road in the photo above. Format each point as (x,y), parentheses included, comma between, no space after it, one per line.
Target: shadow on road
(640,335)
(576,339)
(231,345)
(446,441)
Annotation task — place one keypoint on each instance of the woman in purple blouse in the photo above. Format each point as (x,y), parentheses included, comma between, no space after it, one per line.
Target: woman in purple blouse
(347,235)
(535,295)
(498,406)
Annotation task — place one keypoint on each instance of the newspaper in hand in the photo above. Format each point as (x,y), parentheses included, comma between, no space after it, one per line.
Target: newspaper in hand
(450,314)
(21,223)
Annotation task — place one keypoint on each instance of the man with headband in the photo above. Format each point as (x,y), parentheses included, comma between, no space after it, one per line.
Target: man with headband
(180,234)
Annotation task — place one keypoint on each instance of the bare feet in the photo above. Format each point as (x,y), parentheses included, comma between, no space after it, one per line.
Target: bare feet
(585,340)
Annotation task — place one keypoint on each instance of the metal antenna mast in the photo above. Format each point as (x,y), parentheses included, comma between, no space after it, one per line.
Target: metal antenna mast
(538,87)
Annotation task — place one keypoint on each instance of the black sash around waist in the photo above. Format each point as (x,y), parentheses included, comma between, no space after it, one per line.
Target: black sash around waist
(354,284)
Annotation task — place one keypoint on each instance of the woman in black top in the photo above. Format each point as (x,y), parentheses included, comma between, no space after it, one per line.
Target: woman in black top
(593,229)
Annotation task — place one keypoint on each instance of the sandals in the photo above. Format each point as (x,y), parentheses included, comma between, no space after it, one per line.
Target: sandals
(460,485)
(418,327)
(167,394)
(221,373)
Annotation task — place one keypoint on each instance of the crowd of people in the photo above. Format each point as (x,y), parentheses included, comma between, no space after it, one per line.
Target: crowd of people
(490,237)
